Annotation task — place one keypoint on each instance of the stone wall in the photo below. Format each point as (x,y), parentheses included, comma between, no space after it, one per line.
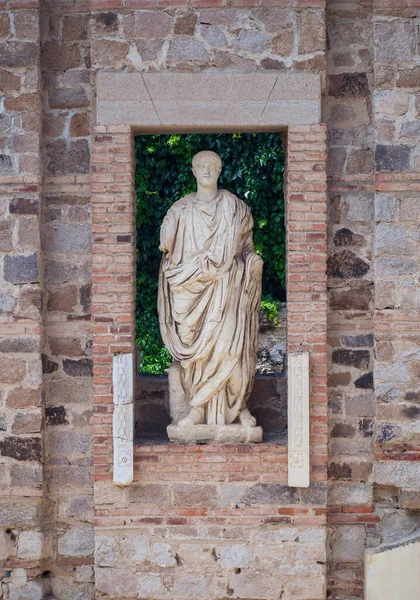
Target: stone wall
(215,516)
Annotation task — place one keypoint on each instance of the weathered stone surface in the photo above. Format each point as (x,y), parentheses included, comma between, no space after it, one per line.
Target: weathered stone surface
(145,23)
(136,546)
(358,298)
(69,390)
(116,583)
(272,64)
(78,368)
(24,206)
(9,81)
(30,545)
(149,493)
(62,272)
(355,358)
(106,550)
(60,57)
(348,85)
(269,493)
(19,344)
(195,495)
(21,448)
(346,264)
(251,40)
(385,205)
(79,125)
(312,32)
(20,397)
(392,158)
(27,423)
(342,430)
(394,41)
(359,341)
(105,23)
(6,166)
(18,54)
(187,49)
(68,158)
(21,269)
(19,514)
(77,541)
(24,475)
(185,24)
(409,78)
(63,237)
(68,98)
(395,266)
(213,35)
(283,43)
(391,102)
(33,590)
(7,303)
(65,443)
(348,543)
(390,240)
(364,382)
(163,555)
(12,370)
(75,27)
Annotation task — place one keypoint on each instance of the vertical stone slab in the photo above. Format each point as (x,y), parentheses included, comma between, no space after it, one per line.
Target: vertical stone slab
(393,573)
(298,419)
(122,424)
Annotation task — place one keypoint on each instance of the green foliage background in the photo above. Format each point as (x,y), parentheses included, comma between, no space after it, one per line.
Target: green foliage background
(253,169)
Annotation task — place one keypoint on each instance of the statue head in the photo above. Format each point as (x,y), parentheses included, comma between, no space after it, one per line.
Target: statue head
(207,166)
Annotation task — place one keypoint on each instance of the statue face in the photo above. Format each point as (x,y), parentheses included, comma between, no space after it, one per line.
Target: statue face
(206,173)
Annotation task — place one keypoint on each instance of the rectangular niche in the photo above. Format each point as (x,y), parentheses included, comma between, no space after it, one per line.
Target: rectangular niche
(253,169)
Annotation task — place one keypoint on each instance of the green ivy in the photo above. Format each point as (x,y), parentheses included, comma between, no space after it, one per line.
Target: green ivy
(253,169)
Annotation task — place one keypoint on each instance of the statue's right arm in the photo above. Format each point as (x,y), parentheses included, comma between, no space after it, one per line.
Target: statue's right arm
(168,232)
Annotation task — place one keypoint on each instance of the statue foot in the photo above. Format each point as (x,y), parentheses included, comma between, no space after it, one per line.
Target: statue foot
(196,416)
(246,419)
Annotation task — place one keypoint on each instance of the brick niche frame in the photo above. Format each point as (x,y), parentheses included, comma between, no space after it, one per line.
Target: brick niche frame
(114,265)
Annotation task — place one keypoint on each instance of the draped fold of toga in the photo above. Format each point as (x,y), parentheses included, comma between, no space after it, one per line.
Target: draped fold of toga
(209,294)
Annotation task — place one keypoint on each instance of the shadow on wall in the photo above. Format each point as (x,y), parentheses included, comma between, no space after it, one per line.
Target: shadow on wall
(268,404)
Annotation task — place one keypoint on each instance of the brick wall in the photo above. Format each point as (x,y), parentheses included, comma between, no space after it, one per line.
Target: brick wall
(227,509)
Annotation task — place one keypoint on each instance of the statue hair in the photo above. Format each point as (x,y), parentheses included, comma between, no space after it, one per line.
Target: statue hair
(209,155)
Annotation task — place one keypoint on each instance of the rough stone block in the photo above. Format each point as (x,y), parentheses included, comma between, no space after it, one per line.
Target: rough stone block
(269,493)
(106,550)
(30,545)
(145,23)
(187,49)
(19,514)
(346,264)
(21,269)
(348,543)
(394,41)
(24,475)
(395,266)
(27,423)
(385,205)
(195,495)
(312,32)
(78,368)
(63,157)
(389,239)
(392,158)
(7,303)
(21,448)
(117,583)
(18,54)
(77,541)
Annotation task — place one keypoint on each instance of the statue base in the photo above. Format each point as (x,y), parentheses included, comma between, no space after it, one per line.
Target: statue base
(220,434)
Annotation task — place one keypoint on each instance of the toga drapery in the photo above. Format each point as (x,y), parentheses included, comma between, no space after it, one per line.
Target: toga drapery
(209,294)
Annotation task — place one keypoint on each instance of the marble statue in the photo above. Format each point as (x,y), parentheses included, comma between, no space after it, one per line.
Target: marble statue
(208,304)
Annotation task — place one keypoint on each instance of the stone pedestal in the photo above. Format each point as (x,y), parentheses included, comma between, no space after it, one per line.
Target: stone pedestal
(228,434)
